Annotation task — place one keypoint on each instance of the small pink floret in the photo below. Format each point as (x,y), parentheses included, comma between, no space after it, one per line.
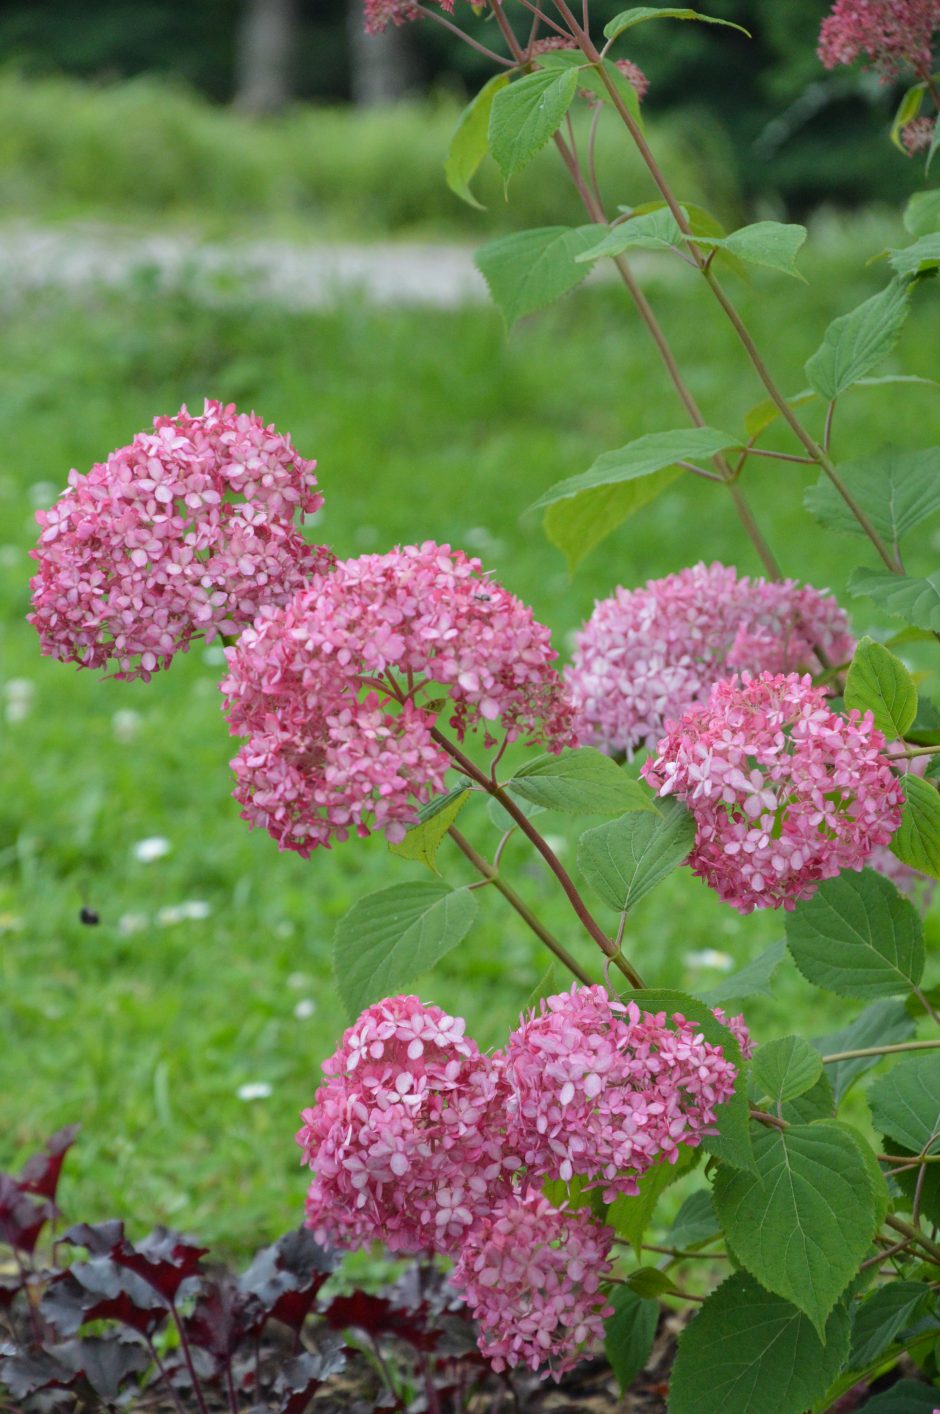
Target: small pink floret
(890,34)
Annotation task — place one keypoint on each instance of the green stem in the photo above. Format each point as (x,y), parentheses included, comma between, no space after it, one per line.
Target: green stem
(914,1234)
(525,913)
(881,1051)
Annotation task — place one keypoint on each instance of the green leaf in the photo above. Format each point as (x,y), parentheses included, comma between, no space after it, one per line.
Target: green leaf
(695,1222)
(502,819)
(818,1102)
(470,142)
(855,342)
(915,259)
(882,1317)
(896,488)
(626,858)
(804,1218)
(657,230)
(590,79)
(905,1103)
(922,213)
(631,1216)
(752,980)
(529,269)
(745,1343)
(785,1068)
(651,1282)
(581,782)
(641,13)
(525,114)
(629,1333)
(857,936)
(884,1023)
(917,601)
(732,1143)
(917,842)
(905,1397)
(907,111)
(390,937)
(879,683)
(576,526)
(640,458)
(767,243)
(435,819)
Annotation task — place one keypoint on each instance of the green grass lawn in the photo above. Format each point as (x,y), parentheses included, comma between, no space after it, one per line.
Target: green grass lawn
(425,424)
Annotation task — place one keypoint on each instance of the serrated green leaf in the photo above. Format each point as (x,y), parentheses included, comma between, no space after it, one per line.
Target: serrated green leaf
(905,1397)
(529,269)
(626,858)
(641,13)
(884,1023)
(732,1143)
(856,342)
(769,243)
(879,683)
(818,1102)
(917,842)
(907,111)
(752,980)
(581,782)
(590,79)
(389,938)
(502,819)
(651,1282)
(857,936)
(695,1222)
(804,1218)
(744,1343)
(525,114)
(917,601)
(785,1068)
(657,230)
(905,1103)
(882,1316)
(922,213)
(575,526)
(915,259)
(421,843)
(896,488)
(628,1334)
(647,454)
(470,142)
(631,1216)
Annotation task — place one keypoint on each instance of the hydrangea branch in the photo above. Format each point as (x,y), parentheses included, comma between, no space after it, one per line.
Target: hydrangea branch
(880,1051)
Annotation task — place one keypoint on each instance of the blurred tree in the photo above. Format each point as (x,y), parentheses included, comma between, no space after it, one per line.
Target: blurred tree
(381,65)
(264,54)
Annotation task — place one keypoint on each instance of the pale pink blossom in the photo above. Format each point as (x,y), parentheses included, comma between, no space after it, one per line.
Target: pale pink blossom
(532,1275)
(890,34)
(647,654)
(784,791)
(405,1134)
(917,135)
(379,14)
(600,1090)
(331,691)
(188,531)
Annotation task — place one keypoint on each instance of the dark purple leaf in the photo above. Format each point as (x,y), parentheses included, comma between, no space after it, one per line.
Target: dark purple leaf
(23,1374)
(41,1173)
(100,1239)
(301,1377)
(22,1218)
(223,1317)
(163,1258)
(106,1363)
(100,1290)
(10,1287)
(377,1317)
(286,1277)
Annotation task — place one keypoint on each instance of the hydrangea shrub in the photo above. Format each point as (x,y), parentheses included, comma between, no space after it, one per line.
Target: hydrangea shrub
(729,723)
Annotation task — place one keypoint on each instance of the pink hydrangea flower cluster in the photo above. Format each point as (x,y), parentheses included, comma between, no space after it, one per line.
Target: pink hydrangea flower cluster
(646,655)
(917,135)
(532,1275)
(405,1133)
(420,1141)
(379,14)
(598,1089)
(188,531)
(891,34)
(323,759)
(784,792)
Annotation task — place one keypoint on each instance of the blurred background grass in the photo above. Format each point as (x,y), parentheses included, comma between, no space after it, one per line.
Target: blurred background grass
(186,1029)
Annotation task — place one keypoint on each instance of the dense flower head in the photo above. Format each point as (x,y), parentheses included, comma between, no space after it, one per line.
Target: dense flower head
(403,1135)
(322,758)
(784,791)
(190,530)
(379,14)
(531,1275)
(646,655)
(890,34)
(917,135)
(600,1089)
